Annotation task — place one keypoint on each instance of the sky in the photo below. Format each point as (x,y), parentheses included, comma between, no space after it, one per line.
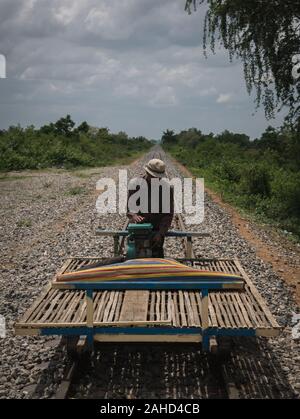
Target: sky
(129,65)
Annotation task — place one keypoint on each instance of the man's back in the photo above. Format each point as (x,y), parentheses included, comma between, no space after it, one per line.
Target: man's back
(151,200)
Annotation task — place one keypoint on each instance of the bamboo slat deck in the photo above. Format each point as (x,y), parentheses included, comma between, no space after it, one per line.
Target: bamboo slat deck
(228,310)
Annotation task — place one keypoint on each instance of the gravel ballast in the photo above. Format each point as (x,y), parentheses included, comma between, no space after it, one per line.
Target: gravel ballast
(48,216)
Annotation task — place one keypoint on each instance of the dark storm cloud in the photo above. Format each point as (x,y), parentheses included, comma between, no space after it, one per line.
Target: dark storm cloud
(135,65)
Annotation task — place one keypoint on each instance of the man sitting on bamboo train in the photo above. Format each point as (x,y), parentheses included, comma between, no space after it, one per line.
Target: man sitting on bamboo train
(151,200)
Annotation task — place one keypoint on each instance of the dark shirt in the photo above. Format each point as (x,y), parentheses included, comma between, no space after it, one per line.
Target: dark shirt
(160,219)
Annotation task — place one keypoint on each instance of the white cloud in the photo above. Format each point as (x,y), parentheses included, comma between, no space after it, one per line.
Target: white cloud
(165,96)
(210,91)
(224,98)
(111,57)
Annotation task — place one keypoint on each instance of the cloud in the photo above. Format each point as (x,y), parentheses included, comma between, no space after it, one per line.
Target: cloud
(135,65)
(165,96)
(2,67)
(224,98)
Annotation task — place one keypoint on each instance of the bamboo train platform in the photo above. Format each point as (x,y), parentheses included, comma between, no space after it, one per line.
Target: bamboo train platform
(151,315)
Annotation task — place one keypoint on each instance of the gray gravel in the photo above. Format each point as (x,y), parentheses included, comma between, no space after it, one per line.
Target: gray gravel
(48,216)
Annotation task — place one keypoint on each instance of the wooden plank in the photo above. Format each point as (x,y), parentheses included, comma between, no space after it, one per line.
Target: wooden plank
(66,265)
(188,248)
(230,322)
(118,306)
(214,322)
(149,338)
(101,305)
(176,307)
(169,306)
(191,319)
(199,304)
(81,314)
(113,307)
(255,319)
(29,312)
(230,309)
(157,306)
(108,306)
(244,312)
(81,308)
(217,310)
(21,331)
(152,306)
(55,325)
(182,309)
(135,306)
(257,296)
(195,309)
(204,312)
(268,332)
(163,305)
(72,308)
(89,310)
(44,307)
(134,323)
(222,310)
(42,304)
(238,313)
(61,308)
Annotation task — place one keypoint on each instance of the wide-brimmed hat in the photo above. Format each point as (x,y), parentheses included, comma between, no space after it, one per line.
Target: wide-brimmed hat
(156,168)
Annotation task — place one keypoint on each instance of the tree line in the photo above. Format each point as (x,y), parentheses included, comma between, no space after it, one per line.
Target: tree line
(260,176)
(64,145)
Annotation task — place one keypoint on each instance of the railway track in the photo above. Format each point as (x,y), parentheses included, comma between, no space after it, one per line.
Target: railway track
(159,370)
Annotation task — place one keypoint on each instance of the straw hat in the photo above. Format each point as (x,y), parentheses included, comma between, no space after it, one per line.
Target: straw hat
(156,168)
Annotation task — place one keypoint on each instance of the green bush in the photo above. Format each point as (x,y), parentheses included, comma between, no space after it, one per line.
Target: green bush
(255,180)
(229,170)
(262,176)
(64,146)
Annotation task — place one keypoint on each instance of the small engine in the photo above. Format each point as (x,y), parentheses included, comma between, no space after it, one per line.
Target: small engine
(139,241)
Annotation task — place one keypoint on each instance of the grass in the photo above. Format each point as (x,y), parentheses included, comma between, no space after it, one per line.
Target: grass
(7,177)
(24,223)
(76,190)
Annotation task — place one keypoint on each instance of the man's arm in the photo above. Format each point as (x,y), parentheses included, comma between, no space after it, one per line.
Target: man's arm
(133,218)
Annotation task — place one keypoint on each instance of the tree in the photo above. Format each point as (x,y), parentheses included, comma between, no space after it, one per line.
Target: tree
(168,137)
(229,137)
(83,128)
(64,126)
(270,140)
(190,138)
(265,35)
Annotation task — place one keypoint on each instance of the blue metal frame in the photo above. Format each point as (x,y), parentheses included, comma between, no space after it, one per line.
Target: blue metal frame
(173,233)
(152,285)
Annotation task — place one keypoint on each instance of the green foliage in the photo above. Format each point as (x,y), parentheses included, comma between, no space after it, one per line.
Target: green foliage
(265,36)
(255,180)
(76,190)
(168,137)
(261,176)
(62,145)
(24,223)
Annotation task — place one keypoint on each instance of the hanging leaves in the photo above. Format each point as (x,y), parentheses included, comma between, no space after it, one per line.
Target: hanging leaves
(265,35)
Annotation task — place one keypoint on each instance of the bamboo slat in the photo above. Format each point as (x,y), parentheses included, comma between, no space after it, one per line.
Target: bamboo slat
(227,309)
